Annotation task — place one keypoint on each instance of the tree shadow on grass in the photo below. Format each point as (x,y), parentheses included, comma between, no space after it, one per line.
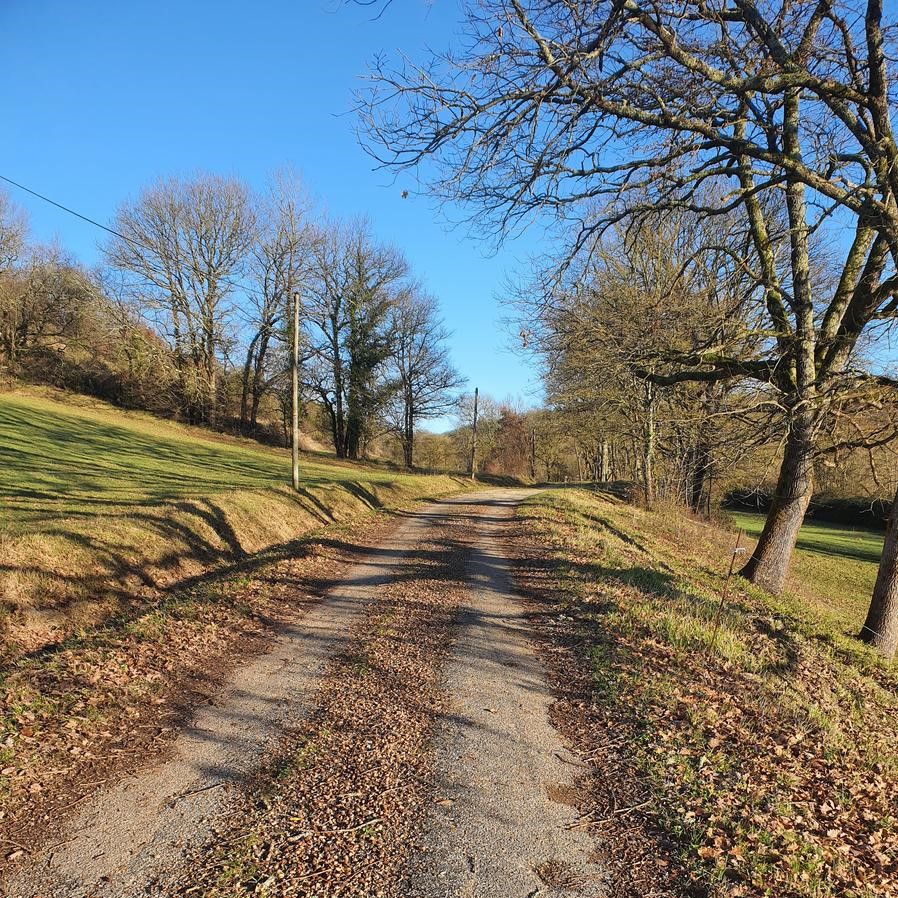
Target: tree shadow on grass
(857,552)
(665,591)
(227,560)
(364,495)
(59,465)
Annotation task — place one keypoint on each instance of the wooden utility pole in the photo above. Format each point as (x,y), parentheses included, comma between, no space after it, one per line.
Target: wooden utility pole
(474,437)
(533,454)
(294,364)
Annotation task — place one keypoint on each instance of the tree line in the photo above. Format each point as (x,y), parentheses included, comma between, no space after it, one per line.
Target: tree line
(189,315)
(723,178)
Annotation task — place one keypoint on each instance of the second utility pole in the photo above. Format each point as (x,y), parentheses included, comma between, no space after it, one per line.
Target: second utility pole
(474,436)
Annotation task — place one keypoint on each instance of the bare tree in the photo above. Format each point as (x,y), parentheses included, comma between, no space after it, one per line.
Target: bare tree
(488,413)
(608,328)
(13,231)
(46,302)
(353,286)
(604,111)
(183,248)
(280,263)
(426,379)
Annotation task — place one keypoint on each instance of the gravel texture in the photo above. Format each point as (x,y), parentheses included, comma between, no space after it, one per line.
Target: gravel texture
(125,838)
(500,824)
(395,741)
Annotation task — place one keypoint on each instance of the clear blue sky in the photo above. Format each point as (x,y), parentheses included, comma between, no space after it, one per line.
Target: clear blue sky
(101,97)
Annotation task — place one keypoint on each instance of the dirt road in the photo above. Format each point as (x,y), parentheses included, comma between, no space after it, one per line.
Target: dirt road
(499,821)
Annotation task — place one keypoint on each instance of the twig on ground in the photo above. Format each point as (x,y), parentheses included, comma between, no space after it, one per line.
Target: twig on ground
(573,762)
(16,845)
(181,795)
(332,832)
(613,743)
(588,820)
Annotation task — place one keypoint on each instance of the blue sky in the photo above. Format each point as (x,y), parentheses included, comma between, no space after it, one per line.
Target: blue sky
(100,98)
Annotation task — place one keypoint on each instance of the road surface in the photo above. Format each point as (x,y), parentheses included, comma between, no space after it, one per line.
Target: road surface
(500,825)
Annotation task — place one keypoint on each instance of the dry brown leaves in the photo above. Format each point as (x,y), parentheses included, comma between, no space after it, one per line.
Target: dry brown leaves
(76,717)
(338,812)
(639,857)
(704,780)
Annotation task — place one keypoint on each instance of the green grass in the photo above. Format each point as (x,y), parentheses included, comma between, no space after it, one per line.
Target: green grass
(99,505)
(834,567)
(58,460)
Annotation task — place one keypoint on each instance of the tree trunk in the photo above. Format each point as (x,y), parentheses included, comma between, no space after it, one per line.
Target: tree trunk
(294,393)
(333,414)
(697,475)
(604,462)
(353,430)
(881,627)
(254,409)
(532,454)
(338,427)
(259,385)
(408,430)
(245,391)
(209,375)
(769,563)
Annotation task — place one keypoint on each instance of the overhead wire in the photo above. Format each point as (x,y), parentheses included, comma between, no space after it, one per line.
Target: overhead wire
(94,222)
(86,218)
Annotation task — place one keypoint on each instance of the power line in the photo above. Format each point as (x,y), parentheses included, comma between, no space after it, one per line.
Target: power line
(47,199)
(115,233)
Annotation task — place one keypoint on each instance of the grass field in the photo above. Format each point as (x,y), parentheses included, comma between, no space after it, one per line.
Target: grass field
(834,567)
(97,505)
(767,745)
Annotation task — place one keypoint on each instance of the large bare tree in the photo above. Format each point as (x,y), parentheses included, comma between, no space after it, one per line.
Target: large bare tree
(183,249)
(606,332)
(279,266)
(13,230)
(353,285)
(426,379)
(46,303)
(595,112)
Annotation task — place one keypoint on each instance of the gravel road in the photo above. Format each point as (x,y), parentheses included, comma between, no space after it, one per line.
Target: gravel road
(499,821)
(499,826)
(134,834)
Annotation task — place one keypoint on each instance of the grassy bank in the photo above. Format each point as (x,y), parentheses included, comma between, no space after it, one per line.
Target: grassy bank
(765,753)
(145,560)
(101,507)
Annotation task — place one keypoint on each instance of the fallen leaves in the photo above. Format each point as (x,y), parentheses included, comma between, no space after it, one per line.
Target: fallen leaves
(773,772)
(75,716)
(336,814)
